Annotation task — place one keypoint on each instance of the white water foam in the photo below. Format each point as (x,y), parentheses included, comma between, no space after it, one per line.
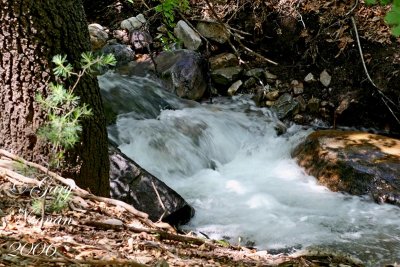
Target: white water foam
(226,160)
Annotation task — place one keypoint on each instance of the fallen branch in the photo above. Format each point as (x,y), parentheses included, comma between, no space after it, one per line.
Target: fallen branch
(160,201)
(161,233)
(71,183)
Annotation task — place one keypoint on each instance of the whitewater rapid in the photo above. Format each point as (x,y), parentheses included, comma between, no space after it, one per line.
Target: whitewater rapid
(227,161)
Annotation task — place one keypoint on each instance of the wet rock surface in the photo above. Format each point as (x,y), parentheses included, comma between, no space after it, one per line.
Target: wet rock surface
(134,185)
(358,163)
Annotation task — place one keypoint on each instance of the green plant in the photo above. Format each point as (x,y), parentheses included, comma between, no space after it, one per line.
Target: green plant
(393,16)
(168,8)
(64,112)
(24,169)
(59,200)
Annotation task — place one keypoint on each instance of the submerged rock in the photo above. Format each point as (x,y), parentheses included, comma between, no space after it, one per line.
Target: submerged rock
(358,163)
(134,185)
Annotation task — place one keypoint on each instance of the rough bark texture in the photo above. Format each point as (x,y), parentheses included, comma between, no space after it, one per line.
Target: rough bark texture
(31,33)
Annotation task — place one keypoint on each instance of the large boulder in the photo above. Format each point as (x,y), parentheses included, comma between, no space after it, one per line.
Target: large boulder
(134,185)
(183,72)
(358,163)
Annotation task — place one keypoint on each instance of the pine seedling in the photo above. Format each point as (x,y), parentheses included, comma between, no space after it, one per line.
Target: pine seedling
(63,108)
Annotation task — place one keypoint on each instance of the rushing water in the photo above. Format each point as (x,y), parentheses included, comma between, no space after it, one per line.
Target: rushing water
(226,160)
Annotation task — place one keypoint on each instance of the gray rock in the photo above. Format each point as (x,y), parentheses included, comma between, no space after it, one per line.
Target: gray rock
(309,78)
(98,36)
(183,72)
(234,87)
(285,106)
(249,83)
(187,35)
(257,72)
(227,75)
(298,87)
(223,60)
(269,76)
(358,163)
(141,18)
(131,24)
(123,53)
(325,78)
(134,185)
(214,31)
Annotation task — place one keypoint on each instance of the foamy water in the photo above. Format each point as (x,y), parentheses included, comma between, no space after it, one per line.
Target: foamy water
(226,160)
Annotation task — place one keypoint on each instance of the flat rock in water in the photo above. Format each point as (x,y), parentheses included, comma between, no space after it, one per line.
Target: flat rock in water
(358,163)
(134,185)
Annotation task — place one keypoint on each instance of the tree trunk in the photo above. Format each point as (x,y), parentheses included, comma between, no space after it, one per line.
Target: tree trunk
(31,33)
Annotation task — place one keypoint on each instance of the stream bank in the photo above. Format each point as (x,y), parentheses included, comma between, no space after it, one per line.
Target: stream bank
(306,38)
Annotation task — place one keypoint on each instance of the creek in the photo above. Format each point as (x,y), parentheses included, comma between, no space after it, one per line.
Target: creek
(227,161)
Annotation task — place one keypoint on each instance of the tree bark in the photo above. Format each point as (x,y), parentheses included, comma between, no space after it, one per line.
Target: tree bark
(31,33)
